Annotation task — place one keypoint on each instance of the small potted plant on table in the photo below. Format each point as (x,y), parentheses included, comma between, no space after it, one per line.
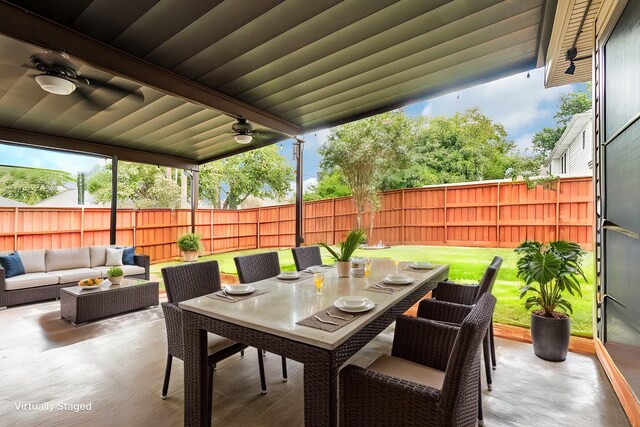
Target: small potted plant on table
(548,271)
(347,248)
(190,245)
(115,275)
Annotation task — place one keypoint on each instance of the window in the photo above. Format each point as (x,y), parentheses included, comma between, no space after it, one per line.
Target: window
(563,163)
(583,138)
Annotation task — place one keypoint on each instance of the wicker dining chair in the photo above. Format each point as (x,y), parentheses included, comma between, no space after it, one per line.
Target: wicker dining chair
(191,281)
(253,268)
(306,257)
(467,295)
(432,377)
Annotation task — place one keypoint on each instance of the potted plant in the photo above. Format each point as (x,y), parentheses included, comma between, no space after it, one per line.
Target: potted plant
(190,245)
(549,271)
(347,248)
(115,275)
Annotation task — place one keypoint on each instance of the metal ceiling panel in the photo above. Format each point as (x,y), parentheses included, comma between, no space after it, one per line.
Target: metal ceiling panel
(293,65)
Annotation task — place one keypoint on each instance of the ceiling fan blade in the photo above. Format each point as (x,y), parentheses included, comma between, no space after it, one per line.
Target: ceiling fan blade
(97,83)
(90,99)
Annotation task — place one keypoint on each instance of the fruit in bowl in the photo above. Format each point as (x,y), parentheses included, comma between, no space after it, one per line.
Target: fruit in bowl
(90,283)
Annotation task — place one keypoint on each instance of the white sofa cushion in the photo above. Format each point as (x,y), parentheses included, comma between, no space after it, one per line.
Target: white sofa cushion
(114,256)
(128,270)
(66,259)
(33,260)
(30,280)
(407,370)
(75,274)
(98,256)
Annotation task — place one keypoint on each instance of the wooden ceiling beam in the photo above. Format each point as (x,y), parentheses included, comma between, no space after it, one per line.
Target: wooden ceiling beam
(23,25)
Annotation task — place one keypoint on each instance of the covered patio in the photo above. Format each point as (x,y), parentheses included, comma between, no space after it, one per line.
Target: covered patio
(174,86)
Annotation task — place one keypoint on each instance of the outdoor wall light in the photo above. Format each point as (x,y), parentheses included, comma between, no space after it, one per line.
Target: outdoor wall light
(243,139)
(54,84)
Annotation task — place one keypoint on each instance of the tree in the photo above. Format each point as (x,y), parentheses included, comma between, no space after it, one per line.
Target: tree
(363,150)
(331,184)
(139,186)
(570,104)
(30,185)
(260,173)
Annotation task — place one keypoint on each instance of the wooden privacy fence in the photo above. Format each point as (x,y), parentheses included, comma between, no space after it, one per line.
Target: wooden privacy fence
(486,214)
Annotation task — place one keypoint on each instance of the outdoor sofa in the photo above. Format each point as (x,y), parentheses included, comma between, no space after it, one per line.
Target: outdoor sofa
(48,270)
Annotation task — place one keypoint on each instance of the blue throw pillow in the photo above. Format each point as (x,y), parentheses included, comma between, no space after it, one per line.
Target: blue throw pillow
(127,255)
(12,265)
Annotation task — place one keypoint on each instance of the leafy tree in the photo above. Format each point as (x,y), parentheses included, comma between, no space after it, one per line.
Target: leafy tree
(331,185)
(140,186)
(364,150)
(30,185)
(259,173)
(570,104)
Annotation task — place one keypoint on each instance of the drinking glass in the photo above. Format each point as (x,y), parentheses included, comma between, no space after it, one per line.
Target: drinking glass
(396,262)
(367,268)
(318,279)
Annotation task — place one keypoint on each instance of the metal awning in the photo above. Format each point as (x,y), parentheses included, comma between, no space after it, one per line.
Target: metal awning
(290,67)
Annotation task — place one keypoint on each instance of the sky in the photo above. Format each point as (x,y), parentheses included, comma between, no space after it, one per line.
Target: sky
(521,104)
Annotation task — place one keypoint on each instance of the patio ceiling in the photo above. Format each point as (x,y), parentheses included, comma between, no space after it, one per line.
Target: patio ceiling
(290,67)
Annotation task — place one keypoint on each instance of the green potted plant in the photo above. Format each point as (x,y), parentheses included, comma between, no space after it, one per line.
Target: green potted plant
(115,275)
(549,271)
(190,245)
(347,248)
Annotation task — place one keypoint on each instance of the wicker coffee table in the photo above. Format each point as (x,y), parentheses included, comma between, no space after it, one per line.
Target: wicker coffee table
(80,306)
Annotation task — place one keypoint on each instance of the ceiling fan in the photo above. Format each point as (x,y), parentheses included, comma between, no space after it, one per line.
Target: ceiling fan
(60,76)
(242,131)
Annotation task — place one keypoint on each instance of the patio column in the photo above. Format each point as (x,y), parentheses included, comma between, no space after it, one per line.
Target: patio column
(194,199)
(114,200)
(298,148)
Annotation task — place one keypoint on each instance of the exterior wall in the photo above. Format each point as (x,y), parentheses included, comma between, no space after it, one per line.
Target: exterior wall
(578,158)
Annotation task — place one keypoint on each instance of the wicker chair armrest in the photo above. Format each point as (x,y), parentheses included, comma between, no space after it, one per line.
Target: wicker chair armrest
(424,341)
(443,311)
(173,321)
(455,292)
(369,398)
(2,277)
(143,261)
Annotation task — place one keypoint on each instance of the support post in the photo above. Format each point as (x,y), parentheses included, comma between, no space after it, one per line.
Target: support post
(298,152)
(114,200)
(194,199)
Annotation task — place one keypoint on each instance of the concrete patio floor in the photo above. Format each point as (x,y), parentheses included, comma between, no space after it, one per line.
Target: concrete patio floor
(117,365)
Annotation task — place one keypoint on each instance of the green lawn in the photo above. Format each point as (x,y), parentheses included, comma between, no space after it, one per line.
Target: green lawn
(467,266)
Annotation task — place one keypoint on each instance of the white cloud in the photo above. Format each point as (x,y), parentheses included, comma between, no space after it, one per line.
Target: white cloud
(427,111)
(523,142)
(309,182)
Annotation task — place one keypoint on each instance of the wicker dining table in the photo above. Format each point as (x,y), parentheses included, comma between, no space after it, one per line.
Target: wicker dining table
(270,322)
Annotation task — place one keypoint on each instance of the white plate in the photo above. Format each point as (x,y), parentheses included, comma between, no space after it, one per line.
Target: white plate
(239,289)
(92,286)
(290,275)
(368,306)
(406,280)
(361,301)
(422,265)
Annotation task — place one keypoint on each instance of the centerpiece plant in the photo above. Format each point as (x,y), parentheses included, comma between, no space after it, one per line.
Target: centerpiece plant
(549,272)
(346,248)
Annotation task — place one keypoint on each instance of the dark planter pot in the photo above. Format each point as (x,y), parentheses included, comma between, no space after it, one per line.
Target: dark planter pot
(550,337)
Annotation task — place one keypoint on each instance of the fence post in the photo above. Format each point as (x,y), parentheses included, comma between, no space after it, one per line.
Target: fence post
(498,217)
(211,232)
(402,220)
(333,222)
(258,230)
(445,215)
(558,210)
(15,229)
(82,226)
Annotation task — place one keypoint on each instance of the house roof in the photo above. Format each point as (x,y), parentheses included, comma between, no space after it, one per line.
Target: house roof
(574,127)
(69,199)
(9,202)
(290,67)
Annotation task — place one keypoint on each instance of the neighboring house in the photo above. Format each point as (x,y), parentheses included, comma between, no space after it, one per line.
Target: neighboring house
(573,153)
(8,202)
(69,199)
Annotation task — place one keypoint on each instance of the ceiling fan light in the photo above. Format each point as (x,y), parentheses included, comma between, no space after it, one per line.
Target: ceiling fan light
(54,84)
(243,138)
